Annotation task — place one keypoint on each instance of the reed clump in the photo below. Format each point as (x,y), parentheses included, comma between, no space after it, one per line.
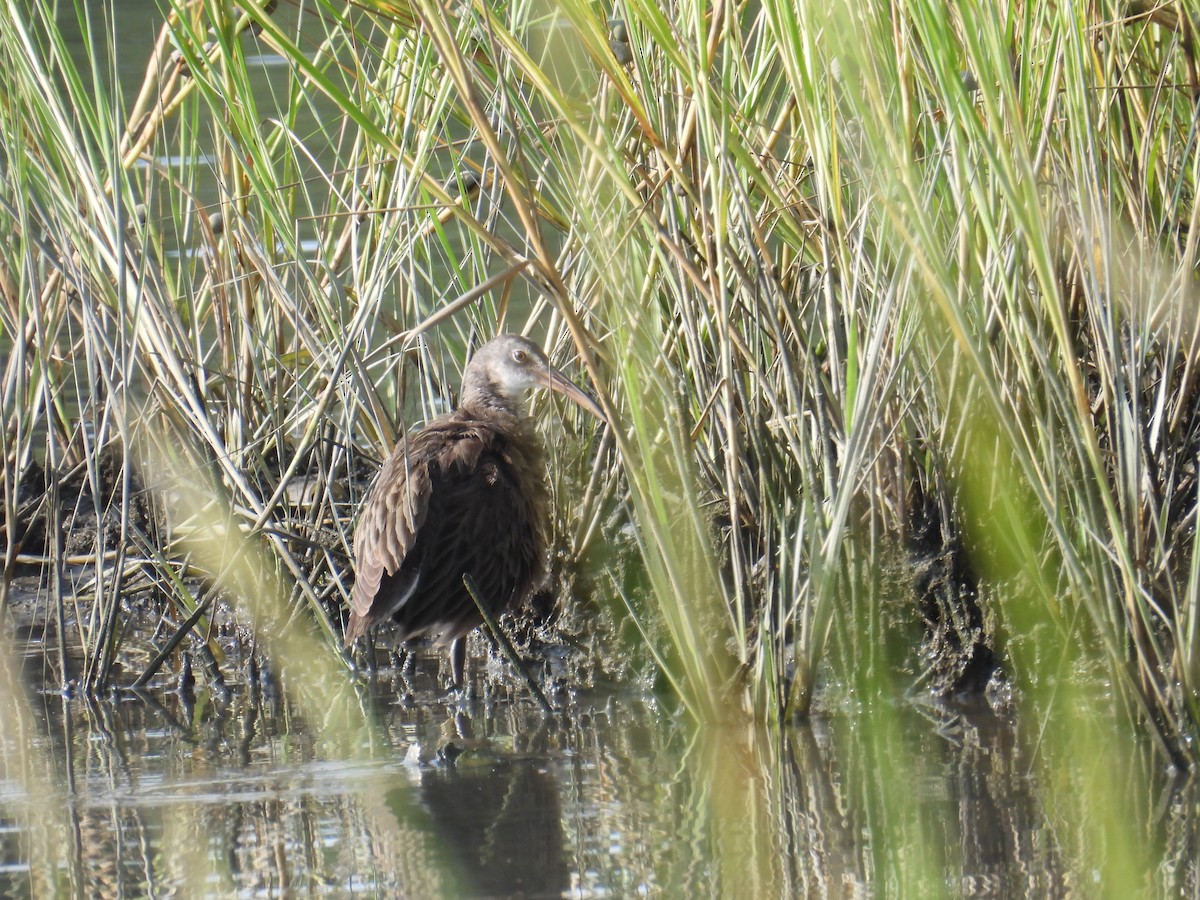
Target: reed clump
(892,307)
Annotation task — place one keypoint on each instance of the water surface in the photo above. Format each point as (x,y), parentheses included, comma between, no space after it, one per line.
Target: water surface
(618,796)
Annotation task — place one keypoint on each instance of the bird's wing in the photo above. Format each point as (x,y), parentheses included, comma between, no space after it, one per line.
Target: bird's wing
(393,515)
(458,497)
(481,521)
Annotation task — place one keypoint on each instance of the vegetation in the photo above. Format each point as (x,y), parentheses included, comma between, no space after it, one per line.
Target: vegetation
(892,305)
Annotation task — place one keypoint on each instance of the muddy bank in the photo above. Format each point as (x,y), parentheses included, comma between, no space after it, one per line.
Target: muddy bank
(576,638)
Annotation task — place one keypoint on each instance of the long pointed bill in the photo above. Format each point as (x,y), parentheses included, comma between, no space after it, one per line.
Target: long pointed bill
(557,382)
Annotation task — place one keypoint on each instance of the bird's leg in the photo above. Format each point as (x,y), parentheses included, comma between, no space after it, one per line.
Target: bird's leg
(458,661)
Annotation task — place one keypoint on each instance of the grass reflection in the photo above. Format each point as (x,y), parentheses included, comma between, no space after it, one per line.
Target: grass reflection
(243,796)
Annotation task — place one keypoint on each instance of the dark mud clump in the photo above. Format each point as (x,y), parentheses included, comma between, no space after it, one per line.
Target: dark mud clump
(956,651)
(78,510)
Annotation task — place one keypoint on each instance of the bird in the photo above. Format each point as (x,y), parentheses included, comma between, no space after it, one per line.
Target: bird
(464,495)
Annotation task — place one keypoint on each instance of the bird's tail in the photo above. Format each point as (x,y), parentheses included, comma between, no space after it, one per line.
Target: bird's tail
(356,626)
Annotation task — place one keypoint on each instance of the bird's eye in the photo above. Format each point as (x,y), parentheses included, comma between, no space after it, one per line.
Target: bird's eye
(519,356)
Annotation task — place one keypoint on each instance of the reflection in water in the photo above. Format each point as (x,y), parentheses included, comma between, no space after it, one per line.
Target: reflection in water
(500,826)
(1001,846)
(199,796)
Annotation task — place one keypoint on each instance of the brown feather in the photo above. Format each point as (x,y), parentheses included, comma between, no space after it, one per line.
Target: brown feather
(463,495)
(466,494)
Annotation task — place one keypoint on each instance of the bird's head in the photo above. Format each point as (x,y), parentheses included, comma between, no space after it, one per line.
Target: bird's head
(506,367)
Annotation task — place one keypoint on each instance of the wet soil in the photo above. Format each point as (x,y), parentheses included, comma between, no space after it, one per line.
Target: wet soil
(71,515)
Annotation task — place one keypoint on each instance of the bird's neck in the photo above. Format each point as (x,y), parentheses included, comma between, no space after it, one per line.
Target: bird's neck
(482,398)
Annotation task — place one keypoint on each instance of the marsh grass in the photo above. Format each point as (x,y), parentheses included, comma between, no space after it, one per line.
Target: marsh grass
(827,267)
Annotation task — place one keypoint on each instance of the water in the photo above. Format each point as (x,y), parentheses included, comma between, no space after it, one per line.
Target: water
(617,797)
